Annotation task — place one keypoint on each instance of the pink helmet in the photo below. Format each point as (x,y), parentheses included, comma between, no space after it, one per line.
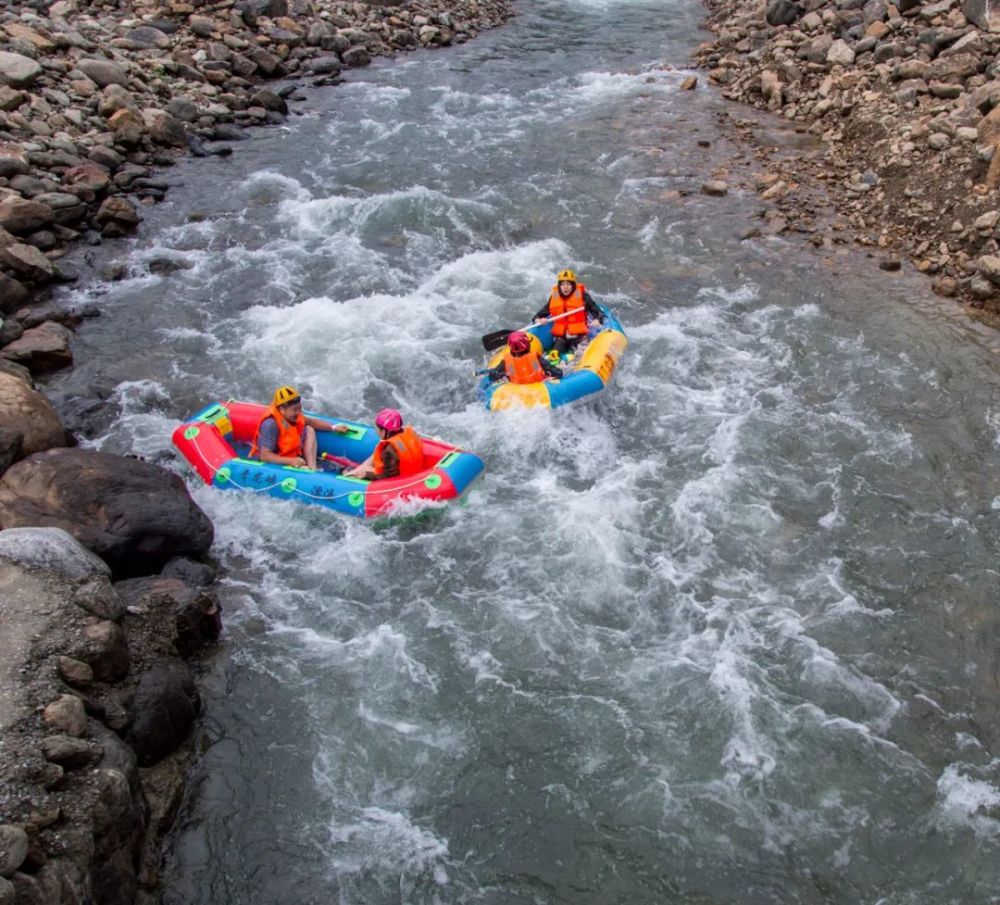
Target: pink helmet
(389,420)
(518,342)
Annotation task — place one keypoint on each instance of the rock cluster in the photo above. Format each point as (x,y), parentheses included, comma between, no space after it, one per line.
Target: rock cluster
(96,703)
(905,98)
(96,94)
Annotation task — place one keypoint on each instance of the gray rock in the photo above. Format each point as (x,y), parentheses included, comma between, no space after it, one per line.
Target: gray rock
(103,72)
(20,216)
(356,56)
(13,849)
(840,54)
(106,651)
(269,101)
(328,64)
(983,13)
(52,550)
(18,71)
(147,37)
(8,894)
(74,672)
(202,26)
(42,348)
(715,187)
(183,109)
(30,263)
(989,267)
(70,752)
(66,715)
(192,573)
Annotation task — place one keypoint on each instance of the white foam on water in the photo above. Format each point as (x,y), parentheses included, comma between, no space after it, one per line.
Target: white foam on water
(374,838)
(968,801)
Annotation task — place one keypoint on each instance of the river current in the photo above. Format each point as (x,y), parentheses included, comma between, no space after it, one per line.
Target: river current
(725,634)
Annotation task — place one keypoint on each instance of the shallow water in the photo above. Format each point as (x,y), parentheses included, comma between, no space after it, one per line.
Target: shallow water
(726,634)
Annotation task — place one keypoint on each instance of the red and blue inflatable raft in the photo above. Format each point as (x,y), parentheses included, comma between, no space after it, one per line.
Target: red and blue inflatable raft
(216,442)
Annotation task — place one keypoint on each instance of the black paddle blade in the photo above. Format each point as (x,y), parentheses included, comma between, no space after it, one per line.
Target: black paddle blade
(497,340)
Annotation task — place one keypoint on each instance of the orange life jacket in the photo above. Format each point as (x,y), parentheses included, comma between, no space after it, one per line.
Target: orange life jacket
(409,448)
(289,435)
(524,368)
(576,323)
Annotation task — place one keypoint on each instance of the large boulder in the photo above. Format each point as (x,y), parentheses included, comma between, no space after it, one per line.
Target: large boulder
(132,514)
(166,703)
(30,414)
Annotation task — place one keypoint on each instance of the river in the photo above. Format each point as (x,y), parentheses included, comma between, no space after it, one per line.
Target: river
(726,634)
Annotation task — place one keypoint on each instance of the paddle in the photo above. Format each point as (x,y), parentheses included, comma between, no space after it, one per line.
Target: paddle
(498,339)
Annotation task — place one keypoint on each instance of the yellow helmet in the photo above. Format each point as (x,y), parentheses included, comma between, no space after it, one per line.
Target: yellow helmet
(284,395)
(567,276)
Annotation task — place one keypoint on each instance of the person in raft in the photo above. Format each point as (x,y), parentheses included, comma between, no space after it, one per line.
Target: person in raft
(285,436)
(572,299)
(399,454)
(521,363)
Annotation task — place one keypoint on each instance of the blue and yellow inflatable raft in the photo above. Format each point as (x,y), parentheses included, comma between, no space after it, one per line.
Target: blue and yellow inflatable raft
(588,373)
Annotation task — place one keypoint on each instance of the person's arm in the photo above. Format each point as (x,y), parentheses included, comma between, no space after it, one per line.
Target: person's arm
(550,368)
(591,306)
(320,425)
(543,312)
(497,373)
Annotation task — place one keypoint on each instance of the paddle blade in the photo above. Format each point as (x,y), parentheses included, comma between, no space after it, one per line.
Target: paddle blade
(497,340)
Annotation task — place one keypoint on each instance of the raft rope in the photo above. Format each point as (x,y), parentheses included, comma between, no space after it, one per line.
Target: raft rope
(305,493)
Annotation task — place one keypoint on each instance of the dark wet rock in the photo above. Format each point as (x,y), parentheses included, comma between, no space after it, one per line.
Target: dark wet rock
(325,65)
(166,704)
(192,573)
(782,12)
(269,100)
(228,132)
(134,515)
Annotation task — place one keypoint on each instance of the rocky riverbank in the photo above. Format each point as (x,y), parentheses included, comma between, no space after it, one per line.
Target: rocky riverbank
(105,596)
(903,105)
(96,96)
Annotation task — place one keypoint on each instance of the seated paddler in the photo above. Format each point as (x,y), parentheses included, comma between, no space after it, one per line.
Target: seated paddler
(285,436)
(399,454)
(570,302)
(521,363)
